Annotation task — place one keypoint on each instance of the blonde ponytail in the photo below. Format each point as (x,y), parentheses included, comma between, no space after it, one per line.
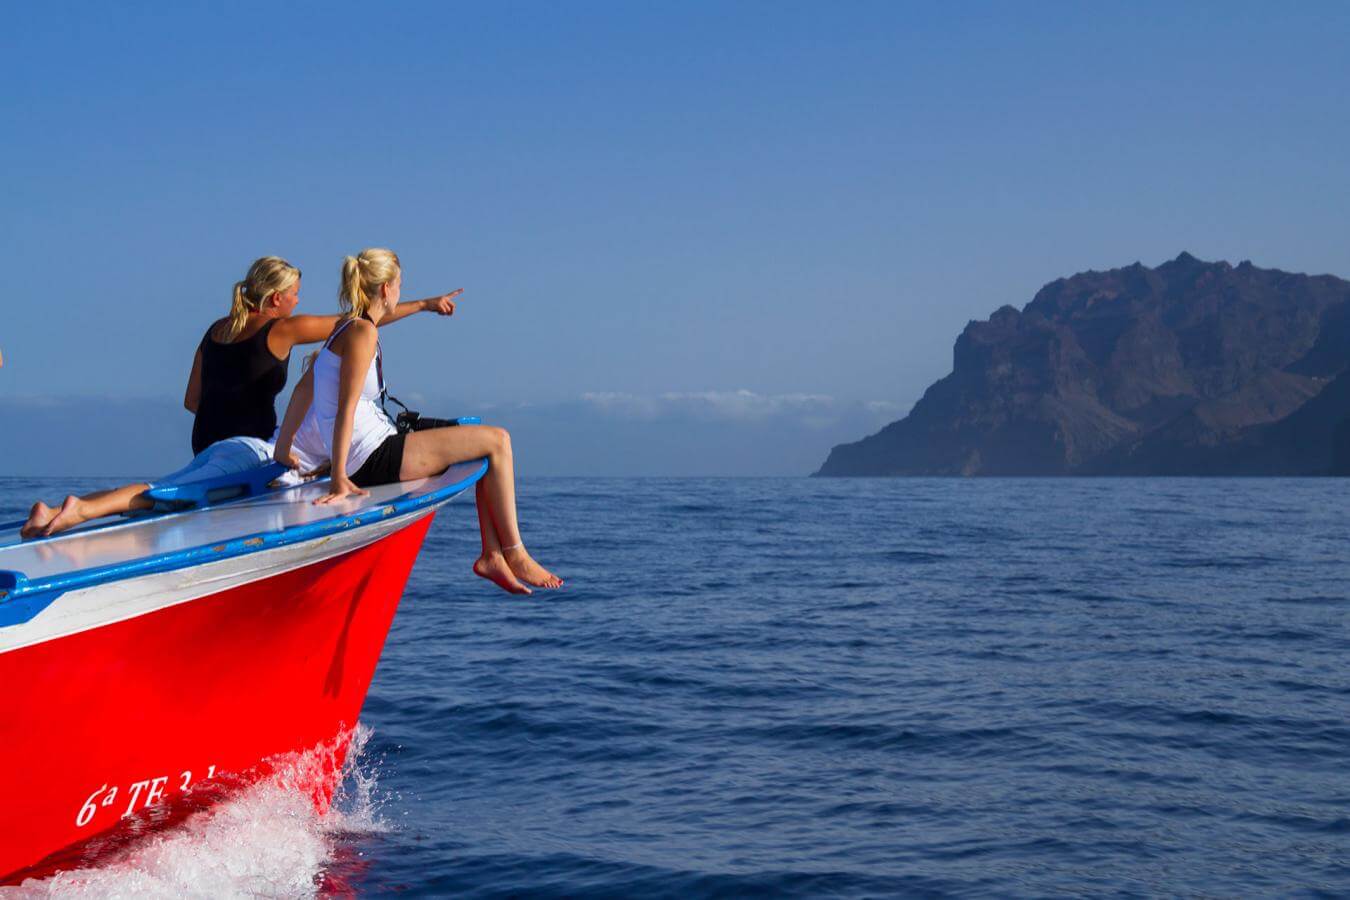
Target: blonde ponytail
(267,276)
(351,297)
(238,310)
(362,276)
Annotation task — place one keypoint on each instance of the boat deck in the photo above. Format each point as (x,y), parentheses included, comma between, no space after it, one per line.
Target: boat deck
(114,549)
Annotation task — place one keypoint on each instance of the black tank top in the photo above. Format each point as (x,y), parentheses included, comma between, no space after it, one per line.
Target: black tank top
(240,383)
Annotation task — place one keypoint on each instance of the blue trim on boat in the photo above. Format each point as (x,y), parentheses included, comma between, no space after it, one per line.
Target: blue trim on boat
(21,599)
(25,608)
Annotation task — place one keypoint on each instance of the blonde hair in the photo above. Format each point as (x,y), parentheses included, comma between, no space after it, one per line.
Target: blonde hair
(362,276)
(267,276)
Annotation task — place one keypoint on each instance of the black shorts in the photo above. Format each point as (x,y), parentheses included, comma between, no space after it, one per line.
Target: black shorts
(382,466)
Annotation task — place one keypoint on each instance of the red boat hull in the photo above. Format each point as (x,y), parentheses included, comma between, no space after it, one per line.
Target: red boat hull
(100,726)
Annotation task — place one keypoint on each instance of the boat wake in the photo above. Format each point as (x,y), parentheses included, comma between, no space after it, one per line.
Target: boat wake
(268,839)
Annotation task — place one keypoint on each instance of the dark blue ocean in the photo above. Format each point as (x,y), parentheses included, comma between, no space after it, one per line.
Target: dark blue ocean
(805,688)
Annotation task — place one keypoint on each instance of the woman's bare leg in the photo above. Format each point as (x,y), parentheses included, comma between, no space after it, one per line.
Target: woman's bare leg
(44,520)
(487,529)
(491,564)
(432,451)
(516,556)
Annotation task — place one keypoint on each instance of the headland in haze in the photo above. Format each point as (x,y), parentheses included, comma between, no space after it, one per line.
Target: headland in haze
(1189,368)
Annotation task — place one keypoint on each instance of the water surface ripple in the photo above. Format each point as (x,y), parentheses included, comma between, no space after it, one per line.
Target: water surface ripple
(874,687)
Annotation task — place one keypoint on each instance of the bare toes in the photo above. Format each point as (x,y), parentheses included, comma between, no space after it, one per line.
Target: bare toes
(530,572)
(38,517)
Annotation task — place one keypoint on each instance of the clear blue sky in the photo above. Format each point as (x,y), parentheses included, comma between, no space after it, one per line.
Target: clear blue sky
(651,206)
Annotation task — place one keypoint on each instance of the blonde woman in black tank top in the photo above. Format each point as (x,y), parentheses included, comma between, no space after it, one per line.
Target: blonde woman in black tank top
(238,370)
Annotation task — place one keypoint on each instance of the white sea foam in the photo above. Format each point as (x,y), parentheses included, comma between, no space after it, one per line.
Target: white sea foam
(267,840)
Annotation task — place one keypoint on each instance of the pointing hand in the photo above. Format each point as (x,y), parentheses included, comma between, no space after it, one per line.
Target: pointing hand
(444,305)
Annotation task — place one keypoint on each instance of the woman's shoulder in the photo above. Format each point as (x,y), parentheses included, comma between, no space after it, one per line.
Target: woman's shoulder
(218,332)
(352,331)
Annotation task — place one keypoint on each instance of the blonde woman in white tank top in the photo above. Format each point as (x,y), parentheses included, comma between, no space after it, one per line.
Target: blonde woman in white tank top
(366,448)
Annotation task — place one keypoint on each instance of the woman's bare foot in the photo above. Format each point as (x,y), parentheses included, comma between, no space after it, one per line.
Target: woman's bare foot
(38,517)
(529,571)
(69,515)
(494,568)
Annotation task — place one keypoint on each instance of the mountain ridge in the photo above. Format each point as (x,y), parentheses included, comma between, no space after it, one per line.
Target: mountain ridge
(1191,367)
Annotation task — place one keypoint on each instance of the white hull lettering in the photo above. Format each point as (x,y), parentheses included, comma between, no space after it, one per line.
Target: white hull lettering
(143,794)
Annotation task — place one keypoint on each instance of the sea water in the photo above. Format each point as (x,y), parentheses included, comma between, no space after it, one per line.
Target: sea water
(806,687)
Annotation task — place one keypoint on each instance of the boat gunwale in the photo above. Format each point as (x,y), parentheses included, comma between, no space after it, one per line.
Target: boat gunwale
(15,587)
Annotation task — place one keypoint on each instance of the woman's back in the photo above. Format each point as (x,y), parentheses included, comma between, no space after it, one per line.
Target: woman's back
(239,385)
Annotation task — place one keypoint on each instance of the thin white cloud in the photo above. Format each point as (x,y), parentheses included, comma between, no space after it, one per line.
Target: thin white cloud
(748,406)
(623,405)
(736,406)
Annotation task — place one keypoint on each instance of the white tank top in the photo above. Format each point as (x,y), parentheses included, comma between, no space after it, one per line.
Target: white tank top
(307,446)
(370,425)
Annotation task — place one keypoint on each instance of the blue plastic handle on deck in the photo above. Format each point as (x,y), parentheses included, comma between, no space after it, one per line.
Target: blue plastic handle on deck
(248,483)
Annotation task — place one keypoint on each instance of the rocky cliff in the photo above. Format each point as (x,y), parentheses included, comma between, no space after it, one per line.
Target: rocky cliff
(1189,368)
